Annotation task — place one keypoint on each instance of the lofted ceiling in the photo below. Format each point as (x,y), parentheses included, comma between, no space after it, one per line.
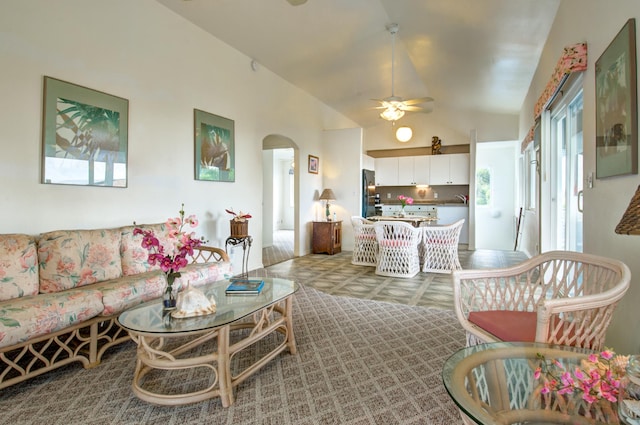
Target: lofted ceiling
(469,55)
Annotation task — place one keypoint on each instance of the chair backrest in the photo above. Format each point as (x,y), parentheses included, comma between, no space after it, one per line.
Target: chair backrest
(397,233)
(573,294)
(446,235)
(356,220)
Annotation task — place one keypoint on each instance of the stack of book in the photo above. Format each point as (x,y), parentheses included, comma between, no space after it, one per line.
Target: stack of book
(244,286)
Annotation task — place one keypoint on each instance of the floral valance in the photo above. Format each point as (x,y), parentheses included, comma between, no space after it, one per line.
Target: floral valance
(573,59)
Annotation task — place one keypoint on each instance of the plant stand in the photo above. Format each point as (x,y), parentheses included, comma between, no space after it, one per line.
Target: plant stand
(245,242)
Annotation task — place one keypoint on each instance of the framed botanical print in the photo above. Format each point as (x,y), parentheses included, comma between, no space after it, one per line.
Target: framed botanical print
(616,106)
(313,164)
(84,136)
(214,147)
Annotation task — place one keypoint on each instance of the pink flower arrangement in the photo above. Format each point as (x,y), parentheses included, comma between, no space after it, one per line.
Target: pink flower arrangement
(239,216)
(171,258)
(599,377)
(405,200)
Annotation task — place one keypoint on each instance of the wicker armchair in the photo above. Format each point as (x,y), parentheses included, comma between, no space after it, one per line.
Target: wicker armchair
(440,248)
(398,242)
(559,297)
(365,248)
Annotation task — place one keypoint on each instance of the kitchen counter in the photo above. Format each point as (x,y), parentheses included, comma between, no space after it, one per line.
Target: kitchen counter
(431,202)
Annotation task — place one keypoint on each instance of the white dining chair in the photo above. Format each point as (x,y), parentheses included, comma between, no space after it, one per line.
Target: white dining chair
(440,247)
(398,249)
(365,248)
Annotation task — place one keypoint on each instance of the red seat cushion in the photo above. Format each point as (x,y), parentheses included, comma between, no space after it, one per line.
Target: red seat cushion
(512,326)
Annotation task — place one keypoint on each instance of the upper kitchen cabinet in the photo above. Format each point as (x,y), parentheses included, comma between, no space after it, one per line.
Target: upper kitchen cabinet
(414,170)
(449,169)
(386,171)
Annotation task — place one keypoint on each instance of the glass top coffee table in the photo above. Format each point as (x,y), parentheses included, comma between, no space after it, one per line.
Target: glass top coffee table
(493,384)
(210,343)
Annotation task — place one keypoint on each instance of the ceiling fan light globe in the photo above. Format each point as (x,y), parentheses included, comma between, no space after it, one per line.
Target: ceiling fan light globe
(392,114)
(404,134)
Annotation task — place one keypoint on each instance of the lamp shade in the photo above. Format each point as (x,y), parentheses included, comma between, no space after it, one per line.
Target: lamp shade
(327,195)
(630,222)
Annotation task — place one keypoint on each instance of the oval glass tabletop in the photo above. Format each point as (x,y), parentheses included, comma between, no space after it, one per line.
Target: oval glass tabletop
(150,317)
(494,384)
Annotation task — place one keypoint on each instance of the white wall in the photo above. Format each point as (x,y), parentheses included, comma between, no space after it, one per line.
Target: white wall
(343,175)
(597,23)
(165,67)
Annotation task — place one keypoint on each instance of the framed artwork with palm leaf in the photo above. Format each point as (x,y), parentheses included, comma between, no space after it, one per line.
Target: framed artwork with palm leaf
(84,136)
(214,147)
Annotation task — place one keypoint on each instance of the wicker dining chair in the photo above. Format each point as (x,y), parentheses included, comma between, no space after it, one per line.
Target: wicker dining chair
(365,247)
(440,248)
(398,245)
(559,297)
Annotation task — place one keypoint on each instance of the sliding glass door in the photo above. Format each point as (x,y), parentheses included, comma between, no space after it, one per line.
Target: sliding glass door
(567,177)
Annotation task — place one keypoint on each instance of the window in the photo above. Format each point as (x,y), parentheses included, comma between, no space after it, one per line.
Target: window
(483,187)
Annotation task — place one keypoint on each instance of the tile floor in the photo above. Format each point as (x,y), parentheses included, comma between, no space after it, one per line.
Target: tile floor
(334,274)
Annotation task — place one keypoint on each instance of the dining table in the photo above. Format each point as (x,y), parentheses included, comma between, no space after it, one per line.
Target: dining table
(414,220)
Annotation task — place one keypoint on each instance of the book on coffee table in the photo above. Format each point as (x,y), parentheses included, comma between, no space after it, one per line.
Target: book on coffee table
(244,286)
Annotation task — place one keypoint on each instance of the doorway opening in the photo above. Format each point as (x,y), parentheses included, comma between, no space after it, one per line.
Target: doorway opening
(280,200)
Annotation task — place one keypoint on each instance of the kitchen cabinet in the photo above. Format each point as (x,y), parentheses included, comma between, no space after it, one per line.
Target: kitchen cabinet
(402,171)
(386,171)
(449,169)
(449,214)
(414,170)
(327,237)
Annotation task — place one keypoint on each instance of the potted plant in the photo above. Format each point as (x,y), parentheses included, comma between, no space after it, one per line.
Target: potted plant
(239,224)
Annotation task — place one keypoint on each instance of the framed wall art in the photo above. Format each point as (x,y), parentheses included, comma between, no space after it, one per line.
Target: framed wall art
(616,106)
(314,163)
(214,147)
(84,136)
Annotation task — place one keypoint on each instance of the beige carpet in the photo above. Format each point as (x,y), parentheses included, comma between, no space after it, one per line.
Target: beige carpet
(359,362)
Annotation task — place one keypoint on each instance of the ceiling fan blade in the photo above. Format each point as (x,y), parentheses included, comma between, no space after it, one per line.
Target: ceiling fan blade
(415,109)
(418,101)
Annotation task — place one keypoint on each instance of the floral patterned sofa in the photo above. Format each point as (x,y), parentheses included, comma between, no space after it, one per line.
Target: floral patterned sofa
(61,291)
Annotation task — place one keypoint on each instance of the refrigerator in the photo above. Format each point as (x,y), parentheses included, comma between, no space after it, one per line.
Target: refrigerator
(369,199)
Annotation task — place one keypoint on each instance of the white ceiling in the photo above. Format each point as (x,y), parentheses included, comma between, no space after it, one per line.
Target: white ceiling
(469,55)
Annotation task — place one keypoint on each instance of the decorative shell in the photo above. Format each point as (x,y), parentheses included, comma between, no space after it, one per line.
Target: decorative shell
(193,302)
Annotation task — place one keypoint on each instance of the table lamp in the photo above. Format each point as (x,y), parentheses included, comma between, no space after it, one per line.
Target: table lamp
(327,195)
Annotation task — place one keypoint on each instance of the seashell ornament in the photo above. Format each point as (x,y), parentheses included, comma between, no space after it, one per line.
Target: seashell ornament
(193,302)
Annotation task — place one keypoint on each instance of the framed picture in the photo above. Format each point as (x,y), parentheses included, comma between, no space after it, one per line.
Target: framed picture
(616,106)
(84,136)
(313,164)
(214,147)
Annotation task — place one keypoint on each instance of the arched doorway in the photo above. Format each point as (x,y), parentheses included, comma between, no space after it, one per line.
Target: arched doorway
(281,182)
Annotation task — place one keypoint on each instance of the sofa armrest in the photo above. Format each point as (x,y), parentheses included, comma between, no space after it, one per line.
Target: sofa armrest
(208,254)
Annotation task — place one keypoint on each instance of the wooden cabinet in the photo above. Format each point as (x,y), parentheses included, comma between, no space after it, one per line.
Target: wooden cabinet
(327,237)
(449,169)
(386,171)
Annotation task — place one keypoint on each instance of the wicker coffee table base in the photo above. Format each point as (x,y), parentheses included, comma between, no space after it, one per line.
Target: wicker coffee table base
(151,355)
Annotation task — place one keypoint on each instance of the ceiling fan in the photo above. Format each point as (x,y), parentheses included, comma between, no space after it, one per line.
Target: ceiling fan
(394,107)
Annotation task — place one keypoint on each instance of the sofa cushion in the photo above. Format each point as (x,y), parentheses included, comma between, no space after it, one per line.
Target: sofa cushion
(18,266)
(72,258)
(128,291)
(28,317)
(512,326)
(203,273)
(134,256)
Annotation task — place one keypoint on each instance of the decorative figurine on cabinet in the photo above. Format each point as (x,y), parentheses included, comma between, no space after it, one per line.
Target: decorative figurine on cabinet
(436,144)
